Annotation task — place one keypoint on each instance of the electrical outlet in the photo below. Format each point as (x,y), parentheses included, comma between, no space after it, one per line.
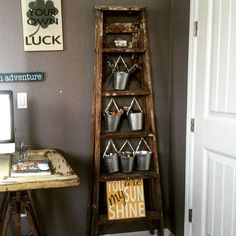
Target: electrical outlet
(22,100)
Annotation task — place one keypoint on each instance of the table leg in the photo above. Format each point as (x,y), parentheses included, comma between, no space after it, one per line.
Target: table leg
(3,205)
(15,205)
(5,216)
(31,217)
(18,213)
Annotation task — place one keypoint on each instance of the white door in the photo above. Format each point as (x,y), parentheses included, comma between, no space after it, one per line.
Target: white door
(211,147)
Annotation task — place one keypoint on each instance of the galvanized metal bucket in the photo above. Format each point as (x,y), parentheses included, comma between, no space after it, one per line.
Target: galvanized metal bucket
(127,159)
(120,80)
(143,157)
(111,162)
(111,159)
(112,121)
(120,75)
(135,119)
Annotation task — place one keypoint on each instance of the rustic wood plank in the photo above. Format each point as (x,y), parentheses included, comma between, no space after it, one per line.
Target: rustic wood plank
(125,135)
(124,50)
(120,8)
(16,204)
(151,216)
(97,118)
(134,175)
(27,205)
(5,221)
(115,93)
(121,28)
(62,174)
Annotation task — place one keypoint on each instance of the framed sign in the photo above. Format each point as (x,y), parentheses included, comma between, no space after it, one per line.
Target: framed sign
(125,199)
(42,25)
(21,77)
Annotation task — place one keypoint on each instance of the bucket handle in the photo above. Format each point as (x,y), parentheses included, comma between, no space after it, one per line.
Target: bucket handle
(126,142)
(143,140)
(110,142)
(116,64)
(109,104)
(132,103)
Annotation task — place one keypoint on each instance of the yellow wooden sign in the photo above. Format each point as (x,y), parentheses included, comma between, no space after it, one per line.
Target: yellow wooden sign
(125,199)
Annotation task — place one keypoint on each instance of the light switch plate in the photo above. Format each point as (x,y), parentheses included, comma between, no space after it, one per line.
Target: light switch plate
(22,100)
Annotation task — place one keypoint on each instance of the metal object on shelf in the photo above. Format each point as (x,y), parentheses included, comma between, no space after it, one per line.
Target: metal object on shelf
(112,123)
(120,80)
(111,159)
(143,157)
(127,158)
(135,119)
(120,43)
(112,118)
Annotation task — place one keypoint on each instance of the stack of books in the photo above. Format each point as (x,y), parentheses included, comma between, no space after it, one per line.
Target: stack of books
(30,168)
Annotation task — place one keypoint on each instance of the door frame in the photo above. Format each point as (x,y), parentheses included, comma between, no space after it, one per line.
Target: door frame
(192,54)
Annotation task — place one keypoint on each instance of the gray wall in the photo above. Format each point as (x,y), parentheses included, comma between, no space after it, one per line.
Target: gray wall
(63,120)
(179,60)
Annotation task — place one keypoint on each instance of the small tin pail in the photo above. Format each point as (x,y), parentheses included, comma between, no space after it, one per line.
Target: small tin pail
(120,76)
(120,80)
(135,119)
(143,157)
(127,162)
(111,122)
(111,159)
(127,159)
(111,162)
(112,119)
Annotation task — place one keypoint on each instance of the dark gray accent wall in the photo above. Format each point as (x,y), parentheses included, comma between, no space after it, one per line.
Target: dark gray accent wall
(59,108)
(179,68)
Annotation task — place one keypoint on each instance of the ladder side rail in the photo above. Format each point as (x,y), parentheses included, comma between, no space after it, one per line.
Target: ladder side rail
(151,122)
(97,117)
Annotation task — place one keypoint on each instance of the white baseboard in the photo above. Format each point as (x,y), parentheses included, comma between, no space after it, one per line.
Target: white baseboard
(142,233)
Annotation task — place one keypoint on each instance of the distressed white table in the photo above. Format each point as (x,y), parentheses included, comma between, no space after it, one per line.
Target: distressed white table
(16,199)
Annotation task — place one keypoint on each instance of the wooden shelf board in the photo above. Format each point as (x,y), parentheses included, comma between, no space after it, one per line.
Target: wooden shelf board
(128,134)
(116,93)
(123,28)
(120,8)
(150,216)
(145,174)
(123,50)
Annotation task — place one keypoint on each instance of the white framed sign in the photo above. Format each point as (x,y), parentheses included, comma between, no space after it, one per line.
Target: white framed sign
(42,25)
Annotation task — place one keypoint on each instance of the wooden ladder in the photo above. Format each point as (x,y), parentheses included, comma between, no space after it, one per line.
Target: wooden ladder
(121,32)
